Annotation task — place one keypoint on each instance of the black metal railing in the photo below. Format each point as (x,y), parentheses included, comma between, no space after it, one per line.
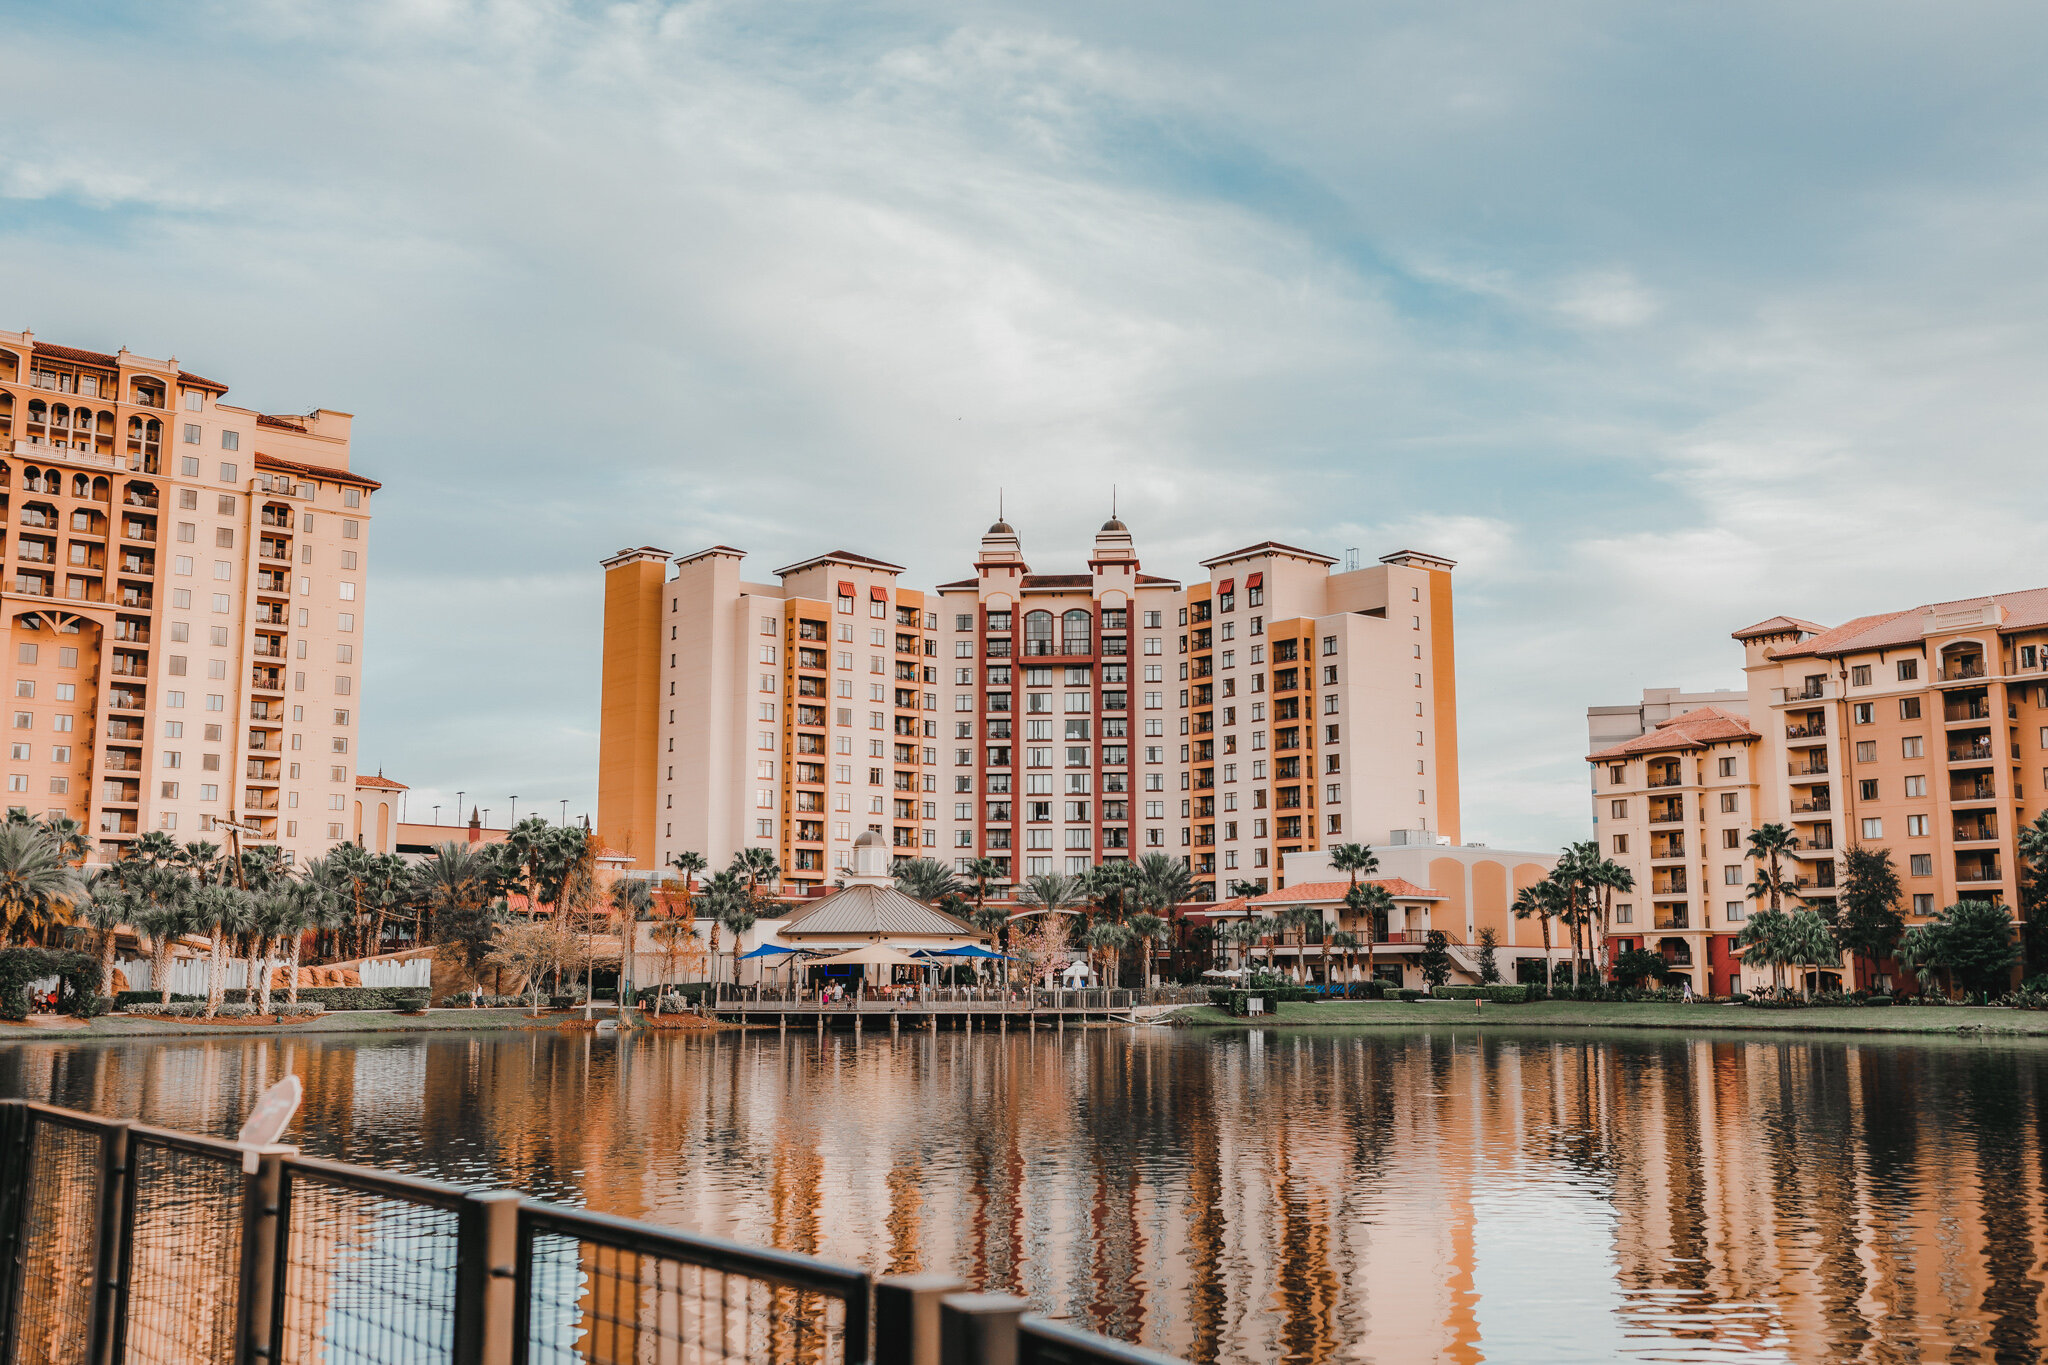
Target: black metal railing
(121,1242)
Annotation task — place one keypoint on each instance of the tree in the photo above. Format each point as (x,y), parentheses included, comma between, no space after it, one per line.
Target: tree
(454,888)
(1165,884)
(981,872)
(689,864)
(1435,960)
(1531,902)
(1373,903)
(1766,940)
(1147,930)
(1051,893)
(223,912)
(925,879)
(37,887)
(1040,944)
(316,907)
(106,905)
(166,916)
(1867,919)
(2033,870)
(675,930)
(1810,943)
(1110,939)
(1347,943)
(1632,966)
(1768,845)
(530,949)
(1489,966)
(1973,941)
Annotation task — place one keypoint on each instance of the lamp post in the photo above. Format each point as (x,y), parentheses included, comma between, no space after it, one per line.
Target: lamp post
(515,812)
(565,812)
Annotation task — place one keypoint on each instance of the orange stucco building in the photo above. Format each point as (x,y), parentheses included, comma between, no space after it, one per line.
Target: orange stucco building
(1050,721)
(184,583)
(1922,731)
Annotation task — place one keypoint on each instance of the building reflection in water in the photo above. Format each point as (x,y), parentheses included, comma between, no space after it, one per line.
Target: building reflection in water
(1308,1195)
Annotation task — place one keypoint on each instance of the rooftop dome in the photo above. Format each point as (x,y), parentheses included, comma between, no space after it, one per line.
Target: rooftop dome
(871,837)
(1002,528)
(1114,525)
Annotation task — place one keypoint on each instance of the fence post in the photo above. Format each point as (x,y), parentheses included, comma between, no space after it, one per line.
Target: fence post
(979,1329)
(108,1255)
(266,1237)
(486,1277)
(16,1142)
(907,1317)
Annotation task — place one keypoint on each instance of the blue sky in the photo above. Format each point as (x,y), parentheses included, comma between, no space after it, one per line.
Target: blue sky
(1659,319)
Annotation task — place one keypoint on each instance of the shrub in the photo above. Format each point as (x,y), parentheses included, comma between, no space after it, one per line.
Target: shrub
(1408,994)
(1738,997)
(1507,995)
(1882,1000)
(93,1006)
(20,966)
(304,1009)
(1459,992)
(128,1000)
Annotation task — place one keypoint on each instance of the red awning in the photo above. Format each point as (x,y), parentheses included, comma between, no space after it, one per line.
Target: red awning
(878,593)
(1226,585)
(1254,580)
(845,588)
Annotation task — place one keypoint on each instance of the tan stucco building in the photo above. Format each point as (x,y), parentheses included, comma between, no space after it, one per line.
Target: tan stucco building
(1050,721)
(184,583)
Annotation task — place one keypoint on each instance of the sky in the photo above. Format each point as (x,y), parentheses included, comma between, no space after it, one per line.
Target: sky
(1659,319)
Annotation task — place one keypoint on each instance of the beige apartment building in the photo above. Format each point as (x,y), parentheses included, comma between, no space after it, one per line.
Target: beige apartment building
(1050,721)
(184,588)
(1924,731)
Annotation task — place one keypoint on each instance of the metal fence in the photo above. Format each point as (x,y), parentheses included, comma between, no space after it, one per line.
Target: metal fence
(120,1242)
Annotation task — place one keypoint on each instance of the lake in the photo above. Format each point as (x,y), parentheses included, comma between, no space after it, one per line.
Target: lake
(1299,1195)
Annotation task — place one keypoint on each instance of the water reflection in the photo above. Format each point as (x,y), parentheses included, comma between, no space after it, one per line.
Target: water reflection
(1303,1196)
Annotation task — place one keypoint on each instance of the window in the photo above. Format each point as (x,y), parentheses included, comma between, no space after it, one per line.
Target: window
(1731,838)
(1923,903)
(1734,912)
(1618,809)
(191,433)
(1866,751)
(1730,803)
(1916,827)
(1909,708)
(1909,669)
(1912,747)
(223,569)
(1624,914)
(1727,768)
(1074,632)
(1865,712)
(1916,786)
(1873,828)
(1616,773)
(1859,675)
(1620,843)
(1921,865)
(1866,789)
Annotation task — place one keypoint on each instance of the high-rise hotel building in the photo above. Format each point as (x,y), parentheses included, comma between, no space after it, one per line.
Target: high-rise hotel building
(1922,731)
(1049,721)
(183,581)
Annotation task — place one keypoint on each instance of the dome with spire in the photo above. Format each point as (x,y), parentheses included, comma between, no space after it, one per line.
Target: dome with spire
(1114,525)
(1001,528)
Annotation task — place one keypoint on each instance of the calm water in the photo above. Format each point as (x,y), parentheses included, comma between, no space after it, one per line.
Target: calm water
(1306,1196)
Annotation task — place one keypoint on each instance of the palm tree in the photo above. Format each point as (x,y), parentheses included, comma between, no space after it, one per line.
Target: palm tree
(1766,938)
(1164,884)
(1768,844)
(632,901)
(1052,893)
(1810,943)
(279,916)
(37,886)
(153,848)
(981,872)
(689,864)
(316,907)
(723,890)
(926,879)
(1608,878)
(103,909)
(1107,937)
(758,867)
(1349,943)
(1373,903)
(224,913)
(738,915)
(70,838)
(1532,903)
(1148,929)
(166,915)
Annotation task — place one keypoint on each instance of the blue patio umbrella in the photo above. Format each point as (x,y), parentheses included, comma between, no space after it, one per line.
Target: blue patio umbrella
(767,950)
(971,950)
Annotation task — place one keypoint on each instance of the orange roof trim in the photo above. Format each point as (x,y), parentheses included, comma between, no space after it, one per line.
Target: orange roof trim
(314,471)
(1696,729)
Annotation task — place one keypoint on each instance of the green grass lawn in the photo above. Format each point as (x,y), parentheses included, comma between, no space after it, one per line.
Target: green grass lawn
(1569,1013)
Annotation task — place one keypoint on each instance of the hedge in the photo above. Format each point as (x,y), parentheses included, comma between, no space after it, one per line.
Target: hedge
(196,1009)
(1508,995)
(1410,994)
(410,999)
(1460,992)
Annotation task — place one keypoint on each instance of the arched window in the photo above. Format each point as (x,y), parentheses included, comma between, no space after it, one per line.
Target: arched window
(81,486)
(1074,632)
(100,489)
(1038,632)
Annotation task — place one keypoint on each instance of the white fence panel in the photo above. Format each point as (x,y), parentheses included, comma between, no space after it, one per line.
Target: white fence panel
(418,971)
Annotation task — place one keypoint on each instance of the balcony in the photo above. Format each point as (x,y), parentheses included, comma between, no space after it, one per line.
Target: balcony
(1669,846)
(1677,953)
(1976,710)
(1982,790)
(1810,730)
(135,499)
(1978,870)
(1667,779)
(1668,882)
(1808,767)
(1962,672)
(1820,803)
(267,679)
(125,731)
(1983,829)
(1673,917)
(123,762)
(1970,753)
(1667,814)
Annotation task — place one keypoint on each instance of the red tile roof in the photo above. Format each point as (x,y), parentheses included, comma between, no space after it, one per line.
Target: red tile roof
(264,419)
(2024,610)
(200,381)
(1696,729)
(841,557)
(380,783)
(74,354)
(1400,887)
(1268,547)
(314,471)
(1778,625)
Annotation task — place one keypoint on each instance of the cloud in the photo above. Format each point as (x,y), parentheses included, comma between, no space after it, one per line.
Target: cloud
(1658,322)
